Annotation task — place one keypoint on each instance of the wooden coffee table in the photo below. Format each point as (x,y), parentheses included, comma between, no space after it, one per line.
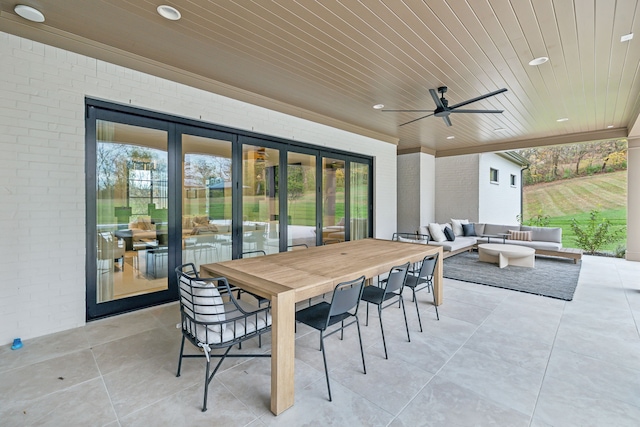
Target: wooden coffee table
(504,255)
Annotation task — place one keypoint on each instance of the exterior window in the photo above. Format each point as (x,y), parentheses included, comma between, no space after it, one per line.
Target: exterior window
(493,175)
(513,180)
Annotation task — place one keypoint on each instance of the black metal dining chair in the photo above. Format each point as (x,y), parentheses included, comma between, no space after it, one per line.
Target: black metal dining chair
(390,289)
(423,279)
(211,318)
(343,306)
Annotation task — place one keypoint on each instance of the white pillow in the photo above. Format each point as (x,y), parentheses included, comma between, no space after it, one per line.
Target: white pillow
(423,229)
(456,226)
(209,308)
(435,230)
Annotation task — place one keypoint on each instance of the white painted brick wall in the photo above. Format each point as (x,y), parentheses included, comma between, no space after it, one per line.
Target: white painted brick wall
(457,188)
(42,189)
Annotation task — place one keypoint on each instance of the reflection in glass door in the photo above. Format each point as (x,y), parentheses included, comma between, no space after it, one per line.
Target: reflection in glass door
(301,200)
(359,200)
(260,200)
(206,200)
(131,211)
(333,200)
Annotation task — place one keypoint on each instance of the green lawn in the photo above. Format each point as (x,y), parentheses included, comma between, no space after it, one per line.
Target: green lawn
(575,198)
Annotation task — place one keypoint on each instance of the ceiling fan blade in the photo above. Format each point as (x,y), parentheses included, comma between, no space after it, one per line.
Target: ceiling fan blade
(469,101)
(437,100)
(477,111)
(415,120)
(447,120)
(405,111)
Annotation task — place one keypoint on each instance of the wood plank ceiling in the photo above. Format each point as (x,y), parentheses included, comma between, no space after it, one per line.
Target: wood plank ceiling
(333,60)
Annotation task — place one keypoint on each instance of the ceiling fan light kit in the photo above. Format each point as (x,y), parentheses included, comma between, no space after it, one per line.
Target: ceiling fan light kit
(442,106)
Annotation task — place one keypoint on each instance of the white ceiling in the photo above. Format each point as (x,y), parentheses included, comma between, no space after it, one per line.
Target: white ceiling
(332,60)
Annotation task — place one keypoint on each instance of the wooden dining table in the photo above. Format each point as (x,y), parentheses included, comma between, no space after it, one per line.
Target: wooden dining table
(289,277)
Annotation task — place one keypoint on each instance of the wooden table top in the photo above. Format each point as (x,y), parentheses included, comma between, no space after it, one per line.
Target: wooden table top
(319,269)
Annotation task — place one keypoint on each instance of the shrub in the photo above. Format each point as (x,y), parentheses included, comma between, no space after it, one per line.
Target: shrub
(621,251)
(595,234)
(538,220)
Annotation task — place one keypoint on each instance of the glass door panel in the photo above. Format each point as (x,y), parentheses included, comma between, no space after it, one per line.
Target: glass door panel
(131,210)
(359,198)
(206,200)
(333,200)
(260,200)
(301,200)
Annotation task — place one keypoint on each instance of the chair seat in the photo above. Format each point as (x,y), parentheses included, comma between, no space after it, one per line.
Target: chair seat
(415,281)
(376,295)
(316,316)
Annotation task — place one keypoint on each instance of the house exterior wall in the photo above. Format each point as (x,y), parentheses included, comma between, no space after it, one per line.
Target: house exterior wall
(416,191)
(42,196)
(633,200)
(498,203)
(456,190)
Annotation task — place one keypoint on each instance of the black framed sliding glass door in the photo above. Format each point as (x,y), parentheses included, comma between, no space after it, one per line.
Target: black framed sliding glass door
(163,190)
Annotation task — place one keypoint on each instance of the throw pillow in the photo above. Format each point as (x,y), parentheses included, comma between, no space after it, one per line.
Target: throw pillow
(204,305)
(520,235)
(456,225)
(468,230)
(435,230)
(449,234)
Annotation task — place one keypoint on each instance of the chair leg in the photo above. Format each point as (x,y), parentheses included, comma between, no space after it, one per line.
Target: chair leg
(342,330)
(324,359)
(364,368)
(406,324)
(180,359)
(206,387)
(434,302)
(367,323)
(384,343)
(415,300)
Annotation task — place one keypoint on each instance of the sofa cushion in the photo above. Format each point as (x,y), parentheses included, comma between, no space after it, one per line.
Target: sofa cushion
(461,242)
(449,234)
(435,230)
(468,230)
(456,226)
(420,241)
(499,228)
(520,235)
(544,234)
(538,245)
(479,228)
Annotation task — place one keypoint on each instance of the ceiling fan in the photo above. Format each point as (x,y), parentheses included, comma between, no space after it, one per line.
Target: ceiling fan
(442,106)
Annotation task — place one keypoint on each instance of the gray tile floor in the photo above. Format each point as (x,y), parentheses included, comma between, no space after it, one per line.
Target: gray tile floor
(496,357)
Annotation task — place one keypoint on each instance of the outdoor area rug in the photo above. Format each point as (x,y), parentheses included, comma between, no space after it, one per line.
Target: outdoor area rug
(551,277)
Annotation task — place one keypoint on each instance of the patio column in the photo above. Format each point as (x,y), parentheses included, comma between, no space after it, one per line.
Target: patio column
(633,200)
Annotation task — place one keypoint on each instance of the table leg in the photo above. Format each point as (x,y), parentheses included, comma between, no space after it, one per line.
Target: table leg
(282,351)
(437,281)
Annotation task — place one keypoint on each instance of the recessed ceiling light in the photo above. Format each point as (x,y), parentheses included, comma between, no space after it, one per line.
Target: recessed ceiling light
(626,37)
(378,106)
(29,13)
(538,61)
(564,119)
(609,127)
(169,12)
(499,129)
(450,137)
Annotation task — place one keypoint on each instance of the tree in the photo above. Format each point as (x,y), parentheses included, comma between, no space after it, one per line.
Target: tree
(595,234)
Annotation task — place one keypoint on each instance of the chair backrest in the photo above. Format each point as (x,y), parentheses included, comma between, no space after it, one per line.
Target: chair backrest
(209,312)
(346,297)
(397,278)
(428,266)
(252,253)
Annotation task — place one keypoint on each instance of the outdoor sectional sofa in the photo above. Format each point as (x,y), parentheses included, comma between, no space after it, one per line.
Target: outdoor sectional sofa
(545,240)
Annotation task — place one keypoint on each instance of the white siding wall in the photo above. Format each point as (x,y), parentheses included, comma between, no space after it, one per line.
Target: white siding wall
(42,195)
(457,188)
(498,203)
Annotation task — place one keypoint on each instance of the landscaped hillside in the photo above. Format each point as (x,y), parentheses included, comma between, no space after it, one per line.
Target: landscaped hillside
(564,200)
(571,196)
